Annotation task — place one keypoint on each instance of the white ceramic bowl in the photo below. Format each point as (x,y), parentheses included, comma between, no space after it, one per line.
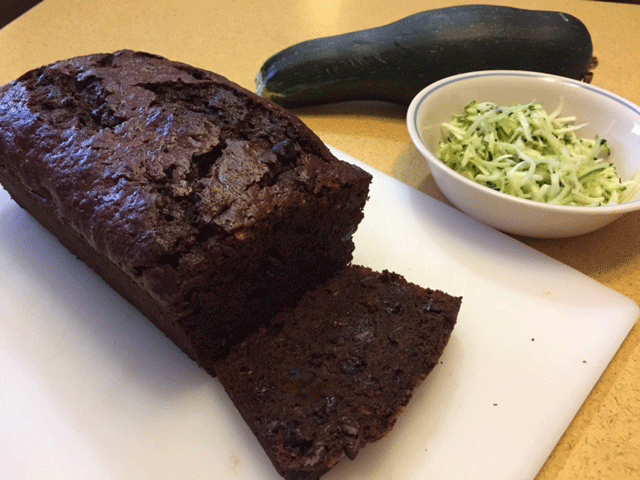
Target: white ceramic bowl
(606,114)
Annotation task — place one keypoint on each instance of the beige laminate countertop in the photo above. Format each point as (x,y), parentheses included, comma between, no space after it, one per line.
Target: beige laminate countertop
(234,37)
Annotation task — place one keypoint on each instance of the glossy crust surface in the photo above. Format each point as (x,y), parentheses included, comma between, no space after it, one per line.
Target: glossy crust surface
(204,205)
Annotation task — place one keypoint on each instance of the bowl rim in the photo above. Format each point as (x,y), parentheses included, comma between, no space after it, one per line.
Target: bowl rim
(416,137)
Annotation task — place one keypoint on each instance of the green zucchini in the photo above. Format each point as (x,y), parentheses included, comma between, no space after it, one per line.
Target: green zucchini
(394,62)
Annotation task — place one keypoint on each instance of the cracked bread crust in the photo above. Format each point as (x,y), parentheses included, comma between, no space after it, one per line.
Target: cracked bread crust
(327,377)
(204,205)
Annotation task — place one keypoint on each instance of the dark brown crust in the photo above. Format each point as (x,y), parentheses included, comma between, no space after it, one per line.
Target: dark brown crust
(332,374)
(204,205)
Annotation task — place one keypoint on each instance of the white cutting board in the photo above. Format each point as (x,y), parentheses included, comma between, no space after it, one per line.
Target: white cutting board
(89,389)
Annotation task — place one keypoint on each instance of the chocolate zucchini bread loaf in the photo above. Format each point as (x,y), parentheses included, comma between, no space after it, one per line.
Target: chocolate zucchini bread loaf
(205,206)
(331,374)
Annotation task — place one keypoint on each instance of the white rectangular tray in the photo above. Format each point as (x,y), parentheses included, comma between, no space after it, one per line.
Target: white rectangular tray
(91,389)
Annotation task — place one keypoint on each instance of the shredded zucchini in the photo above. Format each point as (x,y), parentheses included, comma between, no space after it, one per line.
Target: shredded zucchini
(524,151)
